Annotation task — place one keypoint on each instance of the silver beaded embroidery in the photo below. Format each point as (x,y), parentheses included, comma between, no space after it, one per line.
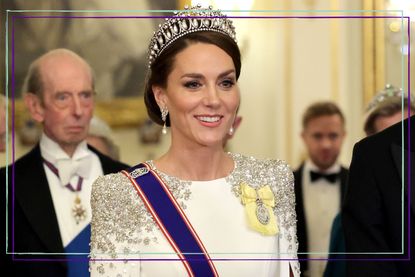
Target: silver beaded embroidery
(118,211)
(276,174)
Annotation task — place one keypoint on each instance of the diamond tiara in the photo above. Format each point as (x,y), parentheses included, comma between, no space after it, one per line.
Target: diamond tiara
(388,93)
(190,20)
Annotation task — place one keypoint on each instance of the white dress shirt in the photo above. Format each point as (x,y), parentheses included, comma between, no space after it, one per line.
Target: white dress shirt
(321,204)
(63,198)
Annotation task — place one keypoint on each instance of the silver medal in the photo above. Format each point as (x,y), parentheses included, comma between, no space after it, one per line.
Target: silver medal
(262,213)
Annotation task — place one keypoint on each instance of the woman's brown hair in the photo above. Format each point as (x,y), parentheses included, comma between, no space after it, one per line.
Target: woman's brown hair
(163,65)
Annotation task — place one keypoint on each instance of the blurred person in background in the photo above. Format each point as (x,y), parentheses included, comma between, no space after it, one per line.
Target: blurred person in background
(100,137)
(386,109)
(383,111)
(320,183)
(376,211)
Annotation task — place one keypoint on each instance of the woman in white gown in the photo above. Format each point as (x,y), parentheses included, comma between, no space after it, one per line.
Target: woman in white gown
(196,210)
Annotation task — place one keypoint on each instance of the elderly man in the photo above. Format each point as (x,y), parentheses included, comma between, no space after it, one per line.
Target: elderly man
(49,210)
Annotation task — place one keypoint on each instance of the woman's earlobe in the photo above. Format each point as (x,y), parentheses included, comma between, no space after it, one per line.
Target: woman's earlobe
(159,95)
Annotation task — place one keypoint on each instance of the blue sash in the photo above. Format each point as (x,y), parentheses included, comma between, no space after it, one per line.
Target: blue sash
(78,265)
(172,220)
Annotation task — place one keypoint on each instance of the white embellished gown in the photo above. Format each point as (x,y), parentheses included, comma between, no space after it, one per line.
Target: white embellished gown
(126,241)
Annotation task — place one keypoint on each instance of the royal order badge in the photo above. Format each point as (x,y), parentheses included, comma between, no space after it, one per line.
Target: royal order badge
(78,210)
(259,203)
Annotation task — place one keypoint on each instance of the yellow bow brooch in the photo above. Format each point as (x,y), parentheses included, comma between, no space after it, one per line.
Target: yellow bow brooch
(258,207)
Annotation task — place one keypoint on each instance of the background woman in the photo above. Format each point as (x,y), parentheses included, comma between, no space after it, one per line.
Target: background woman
(194,208)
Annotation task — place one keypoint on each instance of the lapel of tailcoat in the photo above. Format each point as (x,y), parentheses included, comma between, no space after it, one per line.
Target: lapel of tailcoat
(33,195)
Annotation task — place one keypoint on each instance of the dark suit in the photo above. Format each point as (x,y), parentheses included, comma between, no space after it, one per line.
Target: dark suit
(372,212)
(35,225)
(299,209)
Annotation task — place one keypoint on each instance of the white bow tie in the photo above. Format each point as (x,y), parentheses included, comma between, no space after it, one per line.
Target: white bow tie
(69,168)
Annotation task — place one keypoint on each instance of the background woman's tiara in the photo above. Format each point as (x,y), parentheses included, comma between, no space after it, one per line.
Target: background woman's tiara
(388,93)
(190,20)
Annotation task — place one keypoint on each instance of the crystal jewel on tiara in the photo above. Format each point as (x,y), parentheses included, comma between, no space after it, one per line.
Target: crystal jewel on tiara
(389,91)
(189,20)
